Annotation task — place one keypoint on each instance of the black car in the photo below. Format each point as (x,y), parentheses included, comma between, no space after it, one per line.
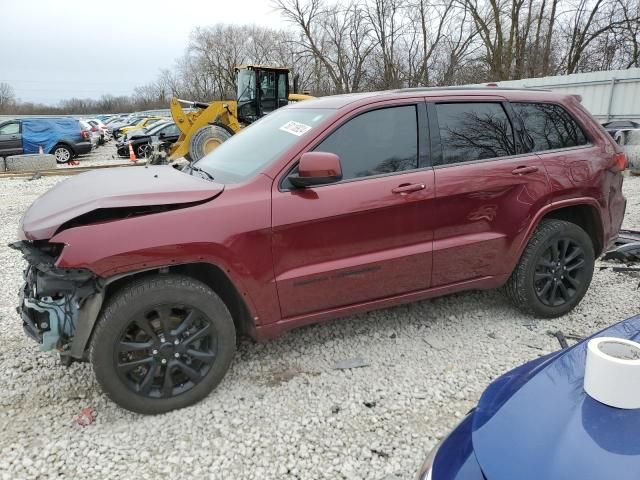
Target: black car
(167,132)
(613,126)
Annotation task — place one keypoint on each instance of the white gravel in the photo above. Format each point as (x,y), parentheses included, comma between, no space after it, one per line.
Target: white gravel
(283,411)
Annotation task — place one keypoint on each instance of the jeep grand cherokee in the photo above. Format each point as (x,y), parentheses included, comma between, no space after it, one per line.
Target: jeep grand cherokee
(319,210)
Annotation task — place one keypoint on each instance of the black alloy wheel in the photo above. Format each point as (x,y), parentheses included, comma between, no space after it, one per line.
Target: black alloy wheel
(166,352)
(554,270)
(162,342)
(560,272)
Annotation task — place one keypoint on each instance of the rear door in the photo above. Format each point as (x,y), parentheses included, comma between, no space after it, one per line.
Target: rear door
(10,139)
(487,190)
(368,236)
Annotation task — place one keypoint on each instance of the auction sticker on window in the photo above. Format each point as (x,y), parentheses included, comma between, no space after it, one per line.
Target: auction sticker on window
(296,128)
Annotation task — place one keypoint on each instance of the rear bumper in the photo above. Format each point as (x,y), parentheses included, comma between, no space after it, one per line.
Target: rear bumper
(82,147)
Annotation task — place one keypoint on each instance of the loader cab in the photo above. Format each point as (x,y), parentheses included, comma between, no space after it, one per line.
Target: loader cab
(260,90)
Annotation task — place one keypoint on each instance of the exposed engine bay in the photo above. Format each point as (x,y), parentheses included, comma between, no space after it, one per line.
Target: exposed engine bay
(52,299)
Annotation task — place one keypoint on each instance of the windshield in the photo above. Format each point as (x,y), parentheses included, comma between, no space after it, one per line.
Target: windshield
(246,85)
(259,144)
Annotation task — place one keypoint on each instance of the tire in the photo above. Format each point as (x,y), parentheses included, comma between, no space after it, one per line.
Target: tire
(30,162)
(550,285)
(130,316)
(63,153)
(206,140)
(143,150)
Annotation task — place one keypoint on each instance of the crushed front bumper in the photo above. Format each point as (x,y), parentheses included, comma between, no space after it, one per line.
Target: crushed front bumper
(52,301)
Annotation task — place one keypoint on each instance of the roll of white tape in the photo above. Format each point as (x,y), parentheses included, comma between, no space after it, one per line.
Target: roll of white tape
(612,372)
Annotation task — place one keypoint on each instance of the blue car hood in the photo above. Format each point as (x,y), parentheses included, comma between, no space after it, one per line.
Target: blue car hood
(536,422)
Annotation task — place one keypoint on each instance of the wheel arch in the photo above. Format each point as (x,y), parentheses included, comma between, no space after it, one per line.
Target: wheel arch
(65,144)
(586,217)
(211,275)
(583,212)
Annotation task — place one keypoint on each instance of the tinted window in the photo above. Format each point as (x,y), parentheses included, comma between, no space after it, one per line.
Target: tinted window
(474,131)
(10,129)
(549,126)
(376,142)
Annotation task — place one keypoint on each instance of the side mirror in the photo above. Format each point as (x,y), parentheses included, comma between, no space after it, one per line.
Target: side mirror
(317,168)
(161,135)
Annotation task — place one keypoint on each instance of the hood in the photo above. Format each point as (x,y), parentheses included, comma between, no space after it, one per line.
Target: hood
(537,422)
(113,188)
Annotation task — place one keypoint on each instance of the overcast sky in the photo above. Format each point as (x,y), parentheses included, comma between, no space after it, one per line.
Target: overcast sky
(55,49)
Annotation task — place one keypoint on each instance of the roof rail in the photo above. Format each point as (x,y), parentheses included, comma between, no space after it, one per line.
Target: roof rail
(479,87)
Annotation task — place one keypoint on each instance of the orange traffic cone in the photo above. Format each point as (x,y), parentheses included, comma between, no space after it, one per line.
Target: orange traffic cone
(132,155)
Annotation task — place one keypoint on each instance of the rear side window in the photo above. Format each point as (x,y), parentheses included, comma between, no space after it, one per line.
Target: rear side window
(474,131)
(376,142)
(548,126)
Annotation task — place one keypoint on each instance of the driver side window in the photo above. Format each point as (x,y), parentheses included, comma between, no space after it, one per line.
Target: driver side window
(376,142)
(10,129)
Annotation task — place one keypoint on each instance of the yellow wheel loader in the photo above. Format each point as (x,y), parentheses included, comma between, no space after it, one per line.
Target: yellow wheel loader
(260,90)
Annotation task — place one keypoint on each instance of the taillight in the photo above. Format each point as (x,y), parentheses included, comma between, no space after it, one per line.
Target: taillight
(620,160)
(84,134)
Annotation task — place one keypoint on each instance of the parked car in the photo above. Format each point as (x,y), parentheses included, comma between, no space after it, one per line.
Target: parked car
(62,137)
(123,122)
(117,118)
(140,140)
(143,123)
(629,141)
(321,209)
(94,135)
(536,421)
(613,126)
(101,128)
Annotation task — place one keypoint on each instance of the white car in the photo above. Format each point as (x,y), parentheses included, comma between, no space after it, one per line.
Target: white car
(103,130)
(95,135)
(629,141)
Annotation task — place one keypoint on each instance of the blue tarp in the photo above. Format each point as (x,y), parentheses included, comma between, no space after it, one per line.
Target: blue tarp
(47,132)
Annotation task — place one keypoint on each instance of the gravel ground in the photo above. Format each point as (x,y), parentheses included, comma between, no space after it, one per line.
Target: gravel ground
(283,411)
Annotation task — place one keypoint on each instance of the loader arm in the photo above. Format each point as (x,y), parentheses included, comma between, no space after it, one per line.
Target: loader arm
(221,112)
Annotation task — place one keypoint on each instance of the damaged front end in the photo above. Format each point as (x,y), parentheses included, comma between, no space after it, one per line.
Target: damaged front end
(58,306)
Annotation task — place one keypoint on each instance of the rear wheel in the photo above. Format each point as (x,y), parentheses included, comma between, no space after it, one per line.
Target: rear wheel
(162,343)
(206,140)
(554,271)
(63,153)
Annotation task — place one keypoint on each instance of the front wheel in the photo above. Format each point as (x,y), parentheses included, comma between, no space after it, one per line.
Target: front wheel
(162,343)
(62,153)
(554,271)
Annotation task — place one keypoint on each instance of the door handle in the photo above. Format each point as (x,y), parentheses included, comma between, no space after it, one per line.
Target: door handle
(408,188)
(13,137)
(524,170)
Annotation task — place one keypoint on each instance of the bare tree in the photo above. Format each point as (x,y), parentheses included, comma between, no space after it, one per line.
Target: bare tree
(7,97)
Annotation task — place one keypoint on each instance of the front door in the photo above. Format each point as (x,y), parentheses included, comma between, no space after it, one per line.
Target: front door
(366,237)
(487,191)
(10,139)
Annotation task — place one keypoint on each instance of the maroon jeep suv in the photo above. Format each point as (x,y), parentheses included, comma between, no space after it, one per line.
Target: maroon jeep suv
(319,210)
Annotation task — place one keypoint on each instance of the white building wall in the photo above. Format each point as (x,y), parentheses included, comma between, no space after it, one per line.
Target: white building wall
(607,95)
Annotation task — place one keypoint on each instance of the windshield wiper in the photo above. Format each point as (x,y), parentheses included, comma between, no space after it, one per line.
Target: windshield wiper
(200,170)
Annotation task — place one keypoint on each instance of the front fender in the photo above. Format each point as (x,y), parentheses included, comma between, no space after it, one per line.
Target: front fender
(240,245)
